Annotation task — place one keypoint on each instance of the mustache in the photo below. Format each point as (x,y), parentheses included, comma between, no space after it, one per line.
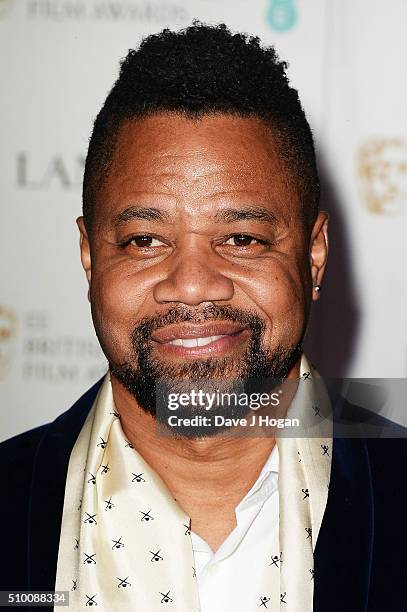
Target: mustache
(211,312)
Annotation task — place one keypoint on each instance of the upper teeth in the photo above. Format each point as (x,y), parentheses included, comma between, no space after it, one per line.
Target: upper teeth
(192,342)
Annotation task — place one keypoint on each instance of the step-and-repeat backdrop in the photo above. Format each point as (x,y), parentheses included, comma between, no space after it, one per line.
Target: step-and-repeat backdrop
(58,59)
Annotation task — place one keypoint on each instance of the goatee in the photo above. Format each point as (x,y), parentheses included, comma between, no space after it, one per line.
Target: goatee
(255,367)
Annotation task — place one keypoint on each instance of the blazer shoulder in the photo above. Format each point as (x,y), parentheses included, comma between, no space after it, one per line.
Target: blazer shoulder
(20,451)
(33,469)
(23,441)
(351,420)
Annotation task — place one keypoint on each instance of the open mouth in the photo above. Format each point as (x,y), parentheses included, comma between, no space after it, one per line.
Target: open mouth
(192,342)
(186,340)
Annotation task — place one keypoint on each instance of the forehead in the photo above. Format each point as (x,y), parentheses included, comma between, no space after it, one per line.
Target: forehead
(197,162)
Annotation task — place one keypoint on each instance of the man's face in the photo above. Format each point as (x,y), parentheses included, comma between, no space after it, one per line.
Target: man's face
(199,262)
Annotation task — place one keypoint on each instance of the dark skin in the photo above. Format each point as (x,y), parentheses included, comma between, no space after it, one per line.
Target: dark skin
(195,249)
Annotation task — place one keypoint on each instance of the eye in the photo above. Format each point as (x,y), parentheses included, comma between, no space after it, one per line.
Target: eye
(243,240)
(144,240)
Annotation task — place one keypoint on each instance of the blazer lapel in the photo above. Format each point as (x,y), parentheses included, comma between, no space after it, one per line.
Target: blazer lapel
(343,553)
(48,491)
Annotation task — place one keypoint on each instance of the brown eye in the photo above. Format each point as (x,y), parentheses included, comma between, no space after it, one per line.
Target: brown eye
(241,240)
(145,241)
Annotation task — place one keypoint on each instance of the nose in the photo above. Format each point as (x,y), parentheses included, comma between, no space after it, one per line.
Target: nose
(194,277)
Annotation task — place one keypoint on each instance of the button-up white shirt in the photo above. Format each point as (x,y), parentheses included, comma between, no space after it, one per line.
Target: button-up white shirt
(241,557)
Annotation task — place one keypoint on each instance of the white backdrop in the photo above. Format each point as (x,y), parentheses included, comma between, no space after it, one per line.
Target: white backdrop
(59,58)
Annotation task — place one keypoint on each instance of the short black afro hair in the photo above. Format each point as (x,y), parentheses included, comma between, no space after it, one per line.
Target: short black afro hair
(202,70)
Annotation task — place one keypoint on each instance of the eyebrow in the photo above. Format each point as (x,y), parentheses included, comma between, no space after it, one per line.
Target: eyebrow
(227,215)
(230,215)
(140,212)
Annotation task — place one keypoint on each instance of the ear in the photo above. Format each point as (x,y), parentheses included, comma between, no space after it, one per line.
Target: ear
(318,251)
(85,249)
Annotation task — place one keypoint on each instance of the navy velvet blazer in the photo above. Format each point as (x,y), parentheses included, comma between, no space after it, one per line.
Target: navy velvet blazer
(361,553)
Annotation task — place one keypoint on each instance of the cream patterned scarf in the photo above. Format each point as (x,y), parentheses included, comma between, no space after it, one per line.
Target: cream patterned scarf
(125,543)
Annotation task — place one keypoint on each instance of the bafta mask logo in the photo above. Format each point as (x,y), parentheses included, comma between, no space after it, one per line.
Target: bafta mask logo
(8,329)
(5,7)
(382,170)
(281,15)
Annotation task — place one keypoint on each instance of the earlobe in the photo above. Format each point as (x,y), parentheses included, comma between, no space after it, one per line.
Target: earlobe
(318,252)
(85,249)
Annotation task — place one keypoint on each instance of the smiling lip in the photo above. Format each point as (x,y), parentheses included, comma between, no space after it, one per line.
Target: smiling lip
(188,340)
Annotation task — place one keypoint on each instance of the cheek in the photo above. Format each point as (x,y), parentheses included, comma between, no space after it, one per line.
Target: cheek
(280,298)
(118,303)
